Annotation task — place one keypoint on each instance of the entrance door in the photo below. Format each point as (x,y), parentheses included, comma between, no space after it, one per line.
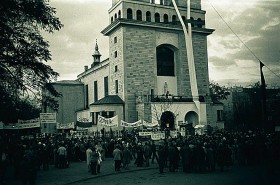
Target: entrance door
(191,118)
(167,120)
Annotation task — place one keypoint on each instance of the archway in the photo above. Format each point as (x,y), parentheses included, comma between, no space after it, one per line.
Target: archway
(191,118)
(167,120)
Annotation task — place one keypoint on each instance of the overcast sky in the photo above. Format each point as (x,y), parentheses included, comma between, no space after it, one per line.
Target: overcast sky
(255,22)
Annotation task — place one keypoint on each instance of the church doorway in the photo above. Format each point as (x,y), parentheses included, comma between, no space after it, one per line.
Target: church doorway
(167,120)
(191,118)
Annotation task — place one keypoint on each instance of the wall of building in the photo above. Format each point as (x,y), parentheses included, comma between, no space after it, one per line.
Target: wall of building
(72,99)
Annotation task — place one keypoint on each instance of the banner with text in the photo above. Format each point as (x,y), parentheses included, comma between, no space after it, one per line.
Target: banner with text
(108,122)
(135,124)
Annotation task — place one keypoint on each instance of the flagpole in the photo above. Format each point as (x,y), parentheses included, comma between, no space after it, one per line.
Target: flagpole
(263,97)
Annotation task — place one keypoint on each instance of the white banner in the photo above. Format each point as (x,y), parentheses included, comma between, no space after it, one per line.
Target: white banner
(108,122)
(48,117)
(145,133)
(135,124)
(147,124)
(65,126)
(158,136)
(23,124)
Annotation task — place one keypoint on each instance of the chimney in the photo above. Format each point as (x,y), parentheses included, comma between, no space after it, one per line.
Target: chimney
(86,68)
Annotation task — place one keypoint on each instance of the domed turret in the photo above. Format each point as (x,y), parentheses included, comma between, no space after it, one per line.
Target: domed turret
(96,55)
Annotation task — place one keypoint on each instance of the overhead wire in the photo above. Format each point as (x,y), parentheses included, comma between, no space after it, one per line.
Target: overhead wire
(240,39)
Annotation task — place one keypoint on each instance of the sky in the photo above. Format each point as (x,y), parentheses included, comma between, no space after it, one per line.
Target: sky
(238,25)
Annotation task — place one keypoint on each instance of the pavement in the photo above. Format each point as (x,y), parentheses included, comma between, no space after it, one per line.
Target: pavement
(77,173)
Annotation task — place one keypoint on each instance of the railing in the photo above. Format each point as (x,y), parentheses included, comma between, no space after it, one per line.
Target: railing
(169,98)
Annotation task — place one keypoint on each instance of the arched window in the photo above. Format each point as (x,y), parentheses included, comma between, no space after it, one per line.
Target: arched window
(148,16)
(165,61)
(112,19)
(192,20)
(116,16)
(129,14)
(199,25)
(157,17)
(165,18)
(119,14)
(139,15)
(174,18)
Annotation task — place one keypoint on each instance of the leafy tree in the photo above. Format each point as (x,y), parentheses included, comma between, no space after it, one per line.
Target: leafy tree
(218,92)
(23,50)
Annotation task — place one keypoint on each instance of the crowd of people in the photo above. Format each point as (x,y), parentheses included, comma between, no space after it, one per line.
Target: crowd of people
(195,153)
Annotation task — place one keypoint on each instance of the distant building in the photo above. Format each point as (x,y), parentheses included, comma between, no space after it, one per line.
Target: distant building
(71,101)
(243,109)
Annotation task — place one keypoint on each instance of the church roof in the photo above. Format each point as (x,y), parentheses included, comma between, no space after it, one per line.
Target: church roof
(68,82)
(110,99)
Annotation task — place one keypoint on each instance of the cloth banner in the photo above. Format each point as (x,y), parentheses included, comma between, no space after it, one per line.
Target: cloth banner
(84,124)
(65,126)
(24,124)
(145,133)
(108,122)
(158,136)
(147,124)
(135,124)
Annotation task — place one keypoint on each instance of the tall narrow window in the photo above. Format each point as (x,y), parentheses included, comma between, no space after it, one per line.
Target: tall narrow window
(116,16)
(112,19)
(119,14)
(148,16)
(106,85)
(129,14)
(139,15)
(117,86)
(165,18)
(115,54)
(86,88)
(157,17)
(115,40)
(200,22)
(165,61)
(174,18)
(95,90)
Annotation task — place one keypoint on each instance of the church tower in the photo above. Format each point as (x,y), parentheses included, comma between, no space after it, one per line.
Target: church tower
(148,60)
(96,55)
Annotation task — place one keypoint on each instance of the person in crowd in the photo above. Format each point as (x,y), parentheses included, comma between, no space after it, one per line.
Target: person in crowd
(185,155)
(3,164)
(93,161)
(117,154)
(147,154)
(62,154)
(88,157)
(28,167)
(161,158)
(127,157)
(139,155)
(154,153)
(45,157)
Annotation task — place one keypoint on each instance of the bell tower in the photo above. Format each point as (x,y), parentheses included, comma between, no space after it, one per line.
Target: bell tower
(147,46)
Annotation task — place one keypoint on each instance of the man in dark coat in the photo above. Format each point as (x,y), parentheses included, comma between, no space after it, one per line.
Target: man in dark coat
(161,158)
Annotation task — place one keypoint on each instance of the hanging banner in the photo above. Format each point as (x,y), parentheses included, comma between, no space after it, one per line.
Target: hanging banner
(145,133)
(65,126)
(108,122)
(48,117)
(147,124)
(32,123)
(135,124)
(158,136)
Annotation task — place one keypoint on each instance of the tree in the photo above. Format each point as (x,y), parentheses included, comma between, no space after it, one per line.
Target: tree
(218,92)
(23,50)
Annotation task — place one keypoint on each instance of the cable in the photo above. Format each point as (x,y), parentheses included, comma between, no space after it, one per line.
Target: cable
(240,39)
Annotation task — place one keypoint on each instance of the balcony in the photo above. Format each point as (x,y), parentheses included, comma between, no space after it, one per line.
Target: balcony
(169,98)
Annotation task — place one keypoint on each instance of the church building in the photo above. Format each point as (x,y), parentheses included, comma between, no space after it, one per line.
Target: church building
(147,75)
